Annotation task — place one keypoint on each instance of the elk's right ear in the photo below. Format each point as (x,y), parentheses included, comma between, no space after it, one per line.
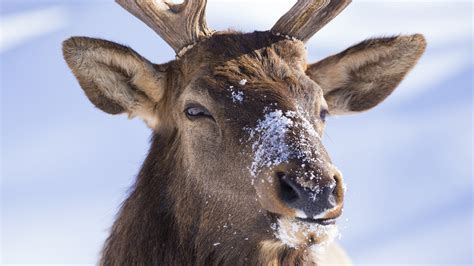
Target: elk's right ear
(115,78)
(363,75)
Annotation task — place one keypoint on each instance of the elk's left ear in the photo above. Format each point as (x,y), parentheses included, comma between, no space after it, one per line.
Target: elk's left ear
(362,76)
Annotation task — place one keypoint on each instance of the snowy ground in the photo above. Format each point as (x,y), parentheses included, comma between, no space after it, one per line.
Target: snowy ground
(408,163)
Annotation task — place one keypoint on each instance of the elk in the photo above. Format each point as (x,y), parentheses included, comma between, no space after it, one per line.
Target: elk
(236,173)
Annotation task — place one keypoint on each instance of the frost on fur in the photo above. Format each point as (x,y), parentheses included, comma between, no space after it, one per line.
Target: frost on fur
(295,233)
(274,142)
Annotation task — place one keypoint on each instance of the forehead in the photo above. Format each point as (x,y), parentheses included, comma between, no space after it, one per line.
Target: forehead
(259,65)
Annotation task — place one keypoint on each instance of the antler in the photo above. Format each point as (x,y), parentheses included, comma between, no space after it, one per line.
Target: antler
(180,25)
(307,17)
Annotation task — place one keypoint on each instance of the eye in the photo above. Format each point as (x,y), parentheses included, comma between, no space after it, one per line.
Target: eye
(322,114)
(197,111)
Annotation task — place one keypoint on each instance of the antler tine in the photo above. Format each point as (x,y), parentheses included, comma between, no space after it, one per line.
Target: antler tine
(307,17)
(180,25)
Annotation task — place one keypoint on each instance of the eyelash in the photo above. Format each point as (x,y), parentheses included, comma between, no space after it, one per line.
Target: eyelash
(195,112)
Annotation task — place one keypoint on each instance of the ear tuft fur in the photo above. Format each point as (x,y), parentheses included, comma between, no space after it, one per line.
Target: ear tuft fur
(73,52)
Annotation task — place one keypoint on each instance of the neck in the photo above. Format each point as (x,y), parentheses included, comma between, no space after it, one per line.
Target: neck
(145,231)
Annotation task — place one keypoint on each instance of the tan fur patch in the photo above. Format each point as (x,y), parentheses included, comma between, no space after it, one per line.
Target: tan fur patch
(269,252)
(332,254)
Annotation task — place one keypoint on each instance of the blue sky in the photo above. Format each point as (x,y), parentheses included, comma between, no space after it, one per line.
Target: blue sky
(407,163)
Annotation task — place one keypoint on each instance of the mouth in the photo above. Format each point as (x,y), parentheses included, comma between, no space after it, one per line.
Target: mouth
(329,221)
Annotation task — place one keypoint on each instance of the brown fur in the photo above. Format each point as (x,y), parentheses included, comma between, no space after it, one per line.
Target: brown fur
(193,202)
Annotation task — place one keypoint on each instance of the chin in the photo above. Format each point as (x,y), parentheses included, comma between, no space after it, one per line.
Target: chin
(305,233)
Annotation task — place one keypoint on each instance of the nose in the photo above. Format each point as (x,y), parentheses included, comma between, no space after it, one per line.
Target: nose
(313,200)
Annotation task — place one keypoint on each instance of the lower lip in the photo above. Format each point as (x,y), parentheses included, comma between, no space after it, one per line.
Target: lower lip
(318,221)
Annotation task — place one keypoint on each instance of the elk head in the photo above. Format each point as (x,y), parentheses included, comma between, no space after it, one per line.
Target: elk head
(243,114)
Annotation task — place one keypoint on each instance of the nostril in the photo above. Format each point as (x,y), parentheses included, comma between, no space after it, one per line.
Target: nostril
(335,186)
(337,177)
(332,199)
(287,193)
(328,195)
(336,193)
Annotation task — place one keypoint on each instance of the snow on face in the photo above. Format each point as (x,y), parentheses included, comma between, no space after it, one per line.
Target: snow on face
(271,146)
(243,82)
(295,233)
(237,96)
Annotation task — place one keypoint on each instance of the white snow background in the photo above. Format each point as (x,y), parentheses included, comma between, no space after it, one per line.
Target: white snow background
(65,166)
